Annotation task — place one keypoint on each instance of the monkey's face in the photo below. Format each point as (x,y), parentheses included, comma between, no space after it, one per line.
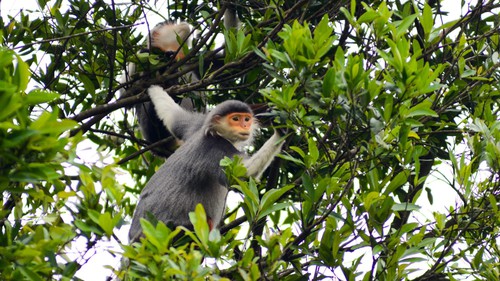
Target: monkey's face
(235,127)
(241,124)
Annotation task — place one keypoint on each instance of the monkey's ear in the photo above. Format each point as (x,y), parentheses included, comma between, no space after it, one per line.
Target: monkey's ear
(214,122)
(217,119)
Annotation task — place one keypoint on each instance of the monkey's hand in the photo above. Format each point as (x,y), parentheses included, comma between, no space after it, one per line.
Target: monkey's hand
(277,119)
(281,130)
(279,123)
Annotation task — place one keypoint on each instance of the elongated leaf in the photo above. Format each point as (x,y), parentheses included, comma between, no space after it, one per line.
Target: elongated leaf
(272,196)
(426,20)
(199,220)
(21,74)
(405,207)
(272,209)
(404,25)
(313,151)
(397,181)
(329,82)
(39,96)
(421,109)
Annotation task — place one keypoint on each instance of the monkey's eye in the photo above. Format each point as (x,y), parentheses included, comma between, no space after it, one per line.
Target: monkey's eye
(247,119)
(235,118)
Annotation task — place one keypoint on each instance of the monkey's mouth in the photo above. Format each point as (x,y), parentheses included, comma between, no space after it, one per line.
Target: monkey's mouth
(244,134)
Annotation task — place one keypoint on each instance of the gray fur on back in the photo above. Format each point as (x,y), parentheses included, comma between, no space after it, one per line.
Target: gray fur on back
(190,176)
(187,124)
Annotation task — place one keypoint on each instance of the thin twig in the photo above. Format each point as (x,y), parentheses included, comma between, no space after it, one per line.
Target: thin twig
(78,34)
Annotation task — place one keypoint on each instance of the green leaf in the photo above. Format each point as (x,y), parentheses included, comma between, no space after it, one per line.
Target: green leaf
(373,179)
(21,74)
(47,123)
(368,16)
(329,82)
(388,107)
(11,104)
(323,41)
(429,195)
(397,181)
(38,96)
(371,198)
(408,227)
(290,158)
(340,58)
(493,203)
(323,30)
(270,198)
(421,109)
(478,261)
(87,84)
(199,220)
(426,21)
(348,16)
(150,232)
(440,220)
(299,151)
(160,236)
(404,25)
(94,215)
(29,274)
(42,3)
(234,167)
(250,198)
(82,226)
(396,60)
(272,209)
(106,223)
(405,207)
(87,228)
(313,151)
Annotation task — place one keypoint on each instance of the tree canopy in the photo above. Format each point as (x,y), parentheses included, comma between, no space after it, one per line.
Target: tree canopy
(391,107)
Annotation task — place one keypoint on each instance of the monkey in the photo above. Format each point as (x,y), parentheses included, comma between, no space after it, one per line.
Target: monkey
(169,38)
(192,174)
(165,39)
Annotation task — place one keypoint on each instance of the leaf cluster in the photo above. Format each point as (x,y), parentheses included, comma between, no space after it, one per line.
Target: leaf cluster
(378,99)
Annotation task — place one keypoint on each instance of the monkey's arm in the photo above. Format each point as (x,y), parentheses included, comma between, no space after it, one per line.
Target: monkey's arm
(258,163)
(165,106)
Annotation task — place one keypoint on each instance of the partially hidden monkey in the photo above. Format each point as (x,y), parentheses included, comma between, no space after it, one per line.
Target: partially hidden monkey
(169,38)
(165,38)
(192,175)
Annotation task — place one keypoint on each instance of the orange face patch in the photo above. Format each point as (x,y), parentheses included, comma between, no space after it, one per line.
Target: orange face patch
(240,120)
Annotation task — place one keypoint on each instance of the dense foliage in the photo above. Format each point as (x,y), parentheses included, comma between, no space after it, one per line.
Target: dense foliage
(391,108)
